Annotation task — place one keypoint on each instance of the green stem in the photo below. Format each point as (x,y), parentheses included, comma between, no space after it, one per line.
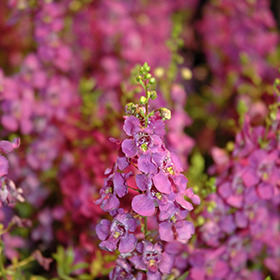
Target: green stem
(2,269)
(133,189)
(146,226)
(146,105)
(22,263)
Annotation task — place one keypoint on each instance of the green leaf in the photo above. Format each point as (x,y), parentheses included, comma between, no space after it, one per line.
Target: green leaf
(35,277)
(69,260)
(80,265)
(184,276)
(85,277)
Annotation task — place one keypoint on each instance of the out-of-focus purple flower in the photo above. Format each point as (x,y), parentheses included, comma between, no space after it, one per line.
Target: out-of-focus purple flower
(122,270)
(12,242)
(152,258)
(116,234)
(9,193)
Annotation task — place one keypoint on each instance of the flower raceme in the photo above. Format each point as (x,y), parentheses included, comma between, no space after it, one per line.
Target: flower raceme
(162,195)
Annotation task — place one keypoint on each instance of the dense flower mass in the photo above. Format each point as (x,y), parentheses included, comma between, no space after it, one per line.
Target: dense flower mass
(162,194)
(107,183)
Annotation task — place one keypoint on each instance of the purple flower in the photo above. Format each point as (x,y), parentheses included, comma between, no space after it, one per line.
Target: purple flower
(153,259)
(122,270)
(114,186)
(141,138)
(144,204)
(176,228)
(116,234)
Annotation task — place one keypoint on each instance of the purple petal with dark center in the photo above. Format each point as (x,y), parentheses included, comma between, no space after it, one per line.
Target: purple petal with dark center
(128,221)
(129,148)
(143,182)
(103,229)
(143,205)
(165,231)
(162,182)
(166,263)
(145,164)
(131,125)
(127,244)
(119,185)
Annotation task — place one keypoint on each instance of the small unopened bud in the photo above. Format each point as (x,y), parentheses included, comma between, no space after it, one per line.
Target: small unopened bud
(153,95)
(138,78)
(152,81)
(143,100)
(148,76)
(130,108)
(165,113)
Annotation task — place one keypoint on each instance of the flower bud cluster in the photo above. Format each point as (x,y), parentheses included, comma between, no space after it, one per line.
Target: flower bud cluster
(162,196)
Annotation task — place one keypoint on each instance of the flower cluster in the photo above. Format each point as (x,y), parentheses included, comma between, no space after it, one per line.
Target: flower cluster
(241,222)
(162,193)
(9,193)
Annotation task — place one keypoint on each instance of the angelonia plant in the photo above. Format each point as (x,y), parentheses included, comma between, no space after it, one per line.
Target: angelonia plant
(145,193)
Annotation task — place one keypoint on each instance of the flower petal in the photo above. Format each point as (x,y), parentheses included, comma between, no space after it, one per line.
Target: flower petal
(127,244)
(143,205)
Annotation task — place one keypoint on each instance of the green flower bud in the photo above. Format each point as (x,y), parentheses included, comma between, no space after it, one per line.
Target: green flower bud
(145,65)
(153,95)
(148,76)
(143,100)
(152,81)
(138,78)
(165,113)
(130,108)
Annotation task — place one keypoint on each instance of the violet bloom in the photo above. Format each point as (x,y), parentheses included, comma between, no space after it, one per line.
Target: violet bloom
(9,193)
(176,227)
(142,138)
(262,170)
(152,258)
(145,204)
(114,186)
(116,234)
(122,270)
